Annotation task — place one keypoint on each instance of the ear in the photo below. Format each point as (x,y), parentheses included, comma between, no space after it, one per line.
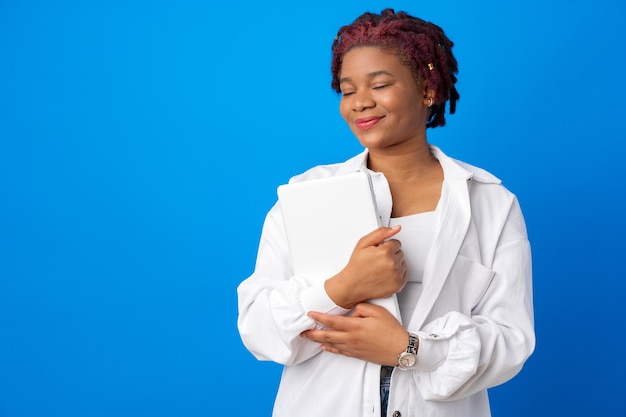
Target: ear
(429,93)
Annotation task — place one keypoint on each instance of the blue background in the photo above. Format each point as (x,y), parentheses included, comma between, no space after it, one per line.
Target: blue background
(141,144)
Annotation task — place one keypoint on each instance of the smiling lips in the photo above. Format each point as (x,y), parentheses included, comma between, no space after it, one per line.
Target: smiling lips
(366,123)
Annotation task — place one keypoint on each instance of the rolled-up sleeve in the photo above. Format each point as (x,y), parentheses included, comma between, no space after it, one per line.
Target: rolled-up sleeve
(273,302)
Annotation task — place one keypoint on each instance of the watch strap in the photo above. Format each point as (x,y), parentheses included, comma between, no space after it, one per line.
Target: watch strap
(414,343)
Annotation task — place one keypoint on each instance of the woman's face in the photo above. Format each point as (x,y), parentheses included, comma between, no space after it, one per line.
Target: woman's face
(380,100)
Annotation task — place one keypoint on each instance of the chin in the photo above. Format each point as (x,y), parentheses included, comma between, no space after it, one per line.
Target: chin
(369,140)
(375,144)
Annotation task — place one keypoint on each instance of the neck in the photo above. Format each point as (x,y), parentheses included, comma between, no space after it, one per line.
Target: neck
(404,166)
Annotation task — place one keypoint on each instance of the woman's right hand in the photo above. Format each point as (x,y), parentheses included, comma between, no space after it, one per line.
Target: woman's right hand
(376,269)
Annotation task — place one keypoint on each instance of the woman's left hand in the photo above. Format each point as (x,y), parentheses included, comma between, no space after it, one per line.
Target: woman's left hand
(371,334)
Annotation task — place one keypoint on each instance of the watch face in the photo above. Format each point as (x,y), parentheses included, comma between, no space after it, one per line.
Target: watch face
(406,360)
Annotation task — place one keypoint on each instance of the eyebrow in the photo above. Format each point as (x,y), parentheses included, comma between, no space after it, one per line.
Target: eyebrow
(370,76)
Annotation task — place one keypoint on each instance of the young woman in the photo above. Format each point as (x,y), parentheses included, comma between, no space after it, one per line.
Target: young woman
(455,253)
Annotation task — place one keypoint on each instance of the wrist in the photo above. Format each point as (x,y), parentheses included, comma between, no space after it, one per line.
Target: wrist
(408,358)
(340,293)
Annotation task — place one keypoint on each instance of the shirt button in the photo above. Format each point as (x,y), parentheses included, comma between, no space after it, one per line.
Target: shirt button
(397,414)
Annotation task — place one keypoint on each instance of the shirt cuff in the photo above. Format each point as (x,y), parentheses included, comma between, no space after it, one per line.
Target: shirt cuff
(432,352)
(315,298)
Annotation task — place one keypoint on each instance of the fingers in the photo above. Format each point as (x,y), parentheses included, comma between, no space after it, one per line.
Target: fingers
(329,338)
(329,348)
(332,339)
(394,246)
(327,320)
(363,310)
(365,335)
(378,236)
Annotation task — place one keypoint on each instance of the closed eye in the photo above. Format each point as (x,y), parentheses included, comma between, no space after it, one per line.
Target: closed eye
(380,87)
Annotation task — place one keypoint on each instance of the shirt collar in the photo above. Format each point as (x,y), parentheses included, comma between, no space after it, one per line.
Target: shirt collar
(452,168)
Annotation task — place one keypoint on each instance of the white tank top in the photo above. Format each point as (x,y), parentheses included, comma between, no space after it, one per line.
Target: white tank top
(417,235)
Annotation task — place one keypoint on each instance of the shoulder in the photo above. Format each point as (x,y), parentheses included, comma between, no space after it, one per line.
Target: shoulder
(495,209)
(456,168)
(479,174)
(482,184)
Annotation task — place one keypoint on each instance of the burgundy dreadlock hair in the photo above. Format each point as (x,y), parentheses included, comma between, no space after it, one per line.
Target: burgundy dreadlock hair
(420,45)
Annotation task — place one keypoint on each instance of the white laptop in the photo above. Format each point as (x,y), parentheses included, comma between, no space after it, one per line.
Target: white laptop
(324,219)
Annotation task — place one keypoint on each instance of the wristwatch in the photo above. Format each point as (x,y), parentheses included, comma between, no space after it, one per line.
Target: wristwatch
(407,359)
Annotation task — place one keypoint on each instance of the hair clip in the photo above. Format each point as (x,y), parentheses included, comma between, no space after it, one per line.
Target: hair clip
(431,66)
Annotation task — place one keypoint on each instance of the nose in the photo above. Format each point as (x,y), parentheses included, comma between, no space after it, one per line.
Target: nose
(363,100)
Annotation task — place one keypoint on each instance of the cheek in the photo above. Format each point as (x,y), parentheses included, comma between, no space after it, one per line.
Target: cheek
(404,107)
(344,110)
(392,103)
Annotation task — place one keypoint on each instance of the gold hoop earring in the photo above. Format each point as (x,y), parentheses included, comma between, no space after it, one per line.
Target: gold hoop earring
(430,102)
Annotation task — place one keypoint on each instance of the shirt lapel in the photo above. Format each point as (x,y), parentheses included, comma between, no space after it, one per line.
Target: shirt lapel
(453,223)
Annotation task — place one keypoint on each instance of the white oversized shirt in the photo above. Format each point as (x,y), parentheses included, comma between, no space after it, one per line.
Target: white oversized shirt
(474,317)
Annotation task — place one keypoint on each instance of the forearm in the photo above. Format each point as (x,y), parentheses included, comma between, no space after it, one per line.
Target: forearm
(273,302)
